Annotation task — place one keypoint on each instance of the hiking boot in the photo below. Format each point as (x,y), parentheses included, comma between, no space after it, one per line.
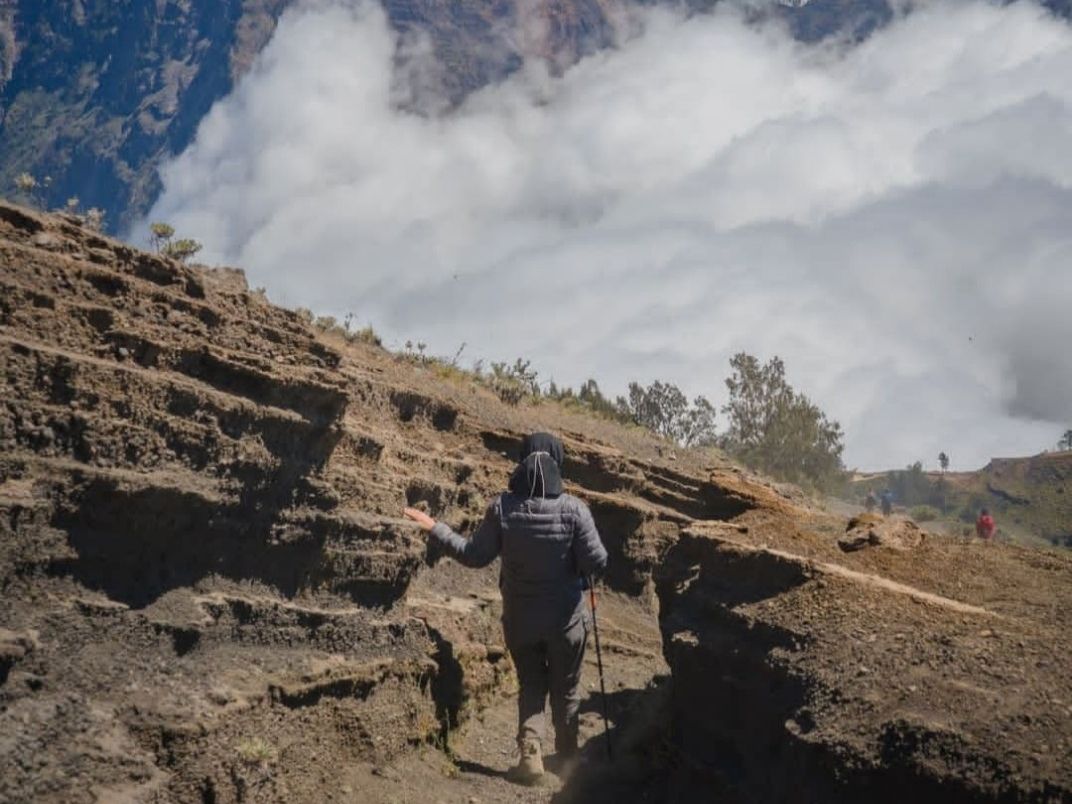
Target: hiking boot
(566,744)
(529,768)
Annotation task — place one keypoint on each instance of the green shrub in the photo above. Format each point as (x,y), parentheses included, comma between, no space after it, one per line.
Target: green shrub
(330,324)
(256,750)
(924,513)
(94,219)
(365,335)
(162,239)
(160,235)
(30,191)
(512,383)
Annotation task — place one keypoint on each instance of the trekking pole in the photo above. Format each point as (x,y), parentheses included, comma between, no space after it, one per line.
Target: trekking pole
(599,664)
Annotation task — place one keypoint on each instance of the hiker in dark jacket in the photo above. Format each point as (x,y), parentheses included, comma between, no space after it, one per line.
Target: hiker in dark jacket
(870,501)
(549,544)
(887,502)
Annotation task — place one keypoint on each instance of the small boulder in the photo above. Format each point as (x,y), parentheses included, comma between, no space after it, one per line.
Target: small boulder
(871,530)
(46,240)
(14,645)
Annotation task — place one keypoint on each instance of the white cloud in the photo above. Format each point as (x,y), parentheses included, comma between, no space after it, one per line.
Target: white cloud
(893,219)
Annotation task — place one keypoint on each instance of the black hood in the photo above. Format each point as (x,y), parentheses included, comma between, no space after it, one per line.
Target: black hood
(539,473)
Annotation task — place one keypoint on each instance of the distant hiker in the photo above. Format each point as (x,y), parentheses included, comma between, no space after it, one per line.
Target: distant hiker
(887,502)
(985,526)
(549,544)
(870,501)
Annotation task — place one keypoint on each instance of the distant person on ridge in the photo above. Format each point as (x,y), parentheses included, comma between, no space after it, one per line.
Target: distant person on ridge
(549,544)
(870,501)
(985,526)
(887,502)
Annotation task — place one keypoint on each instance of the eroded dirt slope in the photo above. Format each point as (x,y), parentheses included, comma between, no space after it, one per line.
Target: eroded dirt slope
(938,672)
(206,593)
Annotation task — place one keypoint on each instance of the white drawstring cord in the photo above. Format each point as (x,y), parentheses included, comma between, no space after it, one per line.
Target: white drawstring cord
(539,473)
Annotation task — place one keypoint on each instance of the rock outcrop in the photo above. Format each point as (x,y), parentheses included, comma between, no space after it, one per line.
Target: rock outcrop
(872,530)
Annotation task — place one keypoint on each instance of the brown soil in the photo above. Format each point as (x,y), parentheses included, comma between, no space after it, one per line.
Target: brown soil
(208,594)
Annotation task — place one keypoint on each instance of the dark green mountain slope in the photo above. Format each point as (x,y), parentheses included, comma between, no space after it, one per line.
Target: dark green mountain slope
(93,93)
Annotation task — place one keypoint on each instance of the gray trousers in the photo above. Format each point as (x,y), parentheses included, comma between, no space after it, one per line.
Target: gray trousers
(551,666)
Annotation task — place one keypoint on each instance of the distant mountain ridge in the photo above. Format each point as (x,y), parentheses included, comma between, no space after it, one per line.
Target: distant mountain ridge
(97,95)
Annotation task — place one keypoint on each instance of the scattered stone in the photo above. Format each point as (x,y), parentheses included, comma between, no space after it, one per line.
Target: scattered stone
(15,645)
(100,256)
(46,240)
(220,697)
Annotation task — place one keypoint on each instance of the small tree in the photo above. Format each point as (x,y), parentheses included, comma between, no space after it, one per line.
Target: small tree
(591,397)
(95,219)
(776,429)
(658,407)
(514,383)
(663,408)
(160,235)
(943,461)
(28,189)
(181,250)
(162,239)
(1066,440)
(416,351)
(698,429)
(25,183)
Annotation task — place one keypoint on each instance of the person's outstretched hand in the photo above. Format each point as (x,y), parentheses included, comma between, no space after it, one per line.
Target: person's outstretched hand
(426,522)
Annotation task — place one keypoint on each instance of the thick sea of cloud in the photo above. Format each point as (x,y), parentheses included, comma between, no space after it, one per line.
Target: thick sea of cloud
(892,218)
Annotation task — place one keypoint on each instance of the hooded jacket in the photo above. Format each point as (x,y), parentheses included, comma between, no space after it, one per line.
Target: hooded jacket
(539,472)
(547,540)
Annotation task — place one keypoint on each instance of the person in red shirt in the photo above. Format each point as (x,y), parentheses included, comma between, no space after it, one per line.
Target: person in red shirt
(984,525)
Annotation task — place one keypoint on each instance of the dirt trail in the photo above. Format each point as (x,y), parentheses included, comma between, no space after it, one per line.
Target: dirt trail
(473,767)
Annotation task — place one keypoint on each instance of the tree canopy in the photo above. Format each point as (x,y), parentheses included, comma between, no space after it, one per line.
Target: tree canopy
(773,428)
(663,408)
